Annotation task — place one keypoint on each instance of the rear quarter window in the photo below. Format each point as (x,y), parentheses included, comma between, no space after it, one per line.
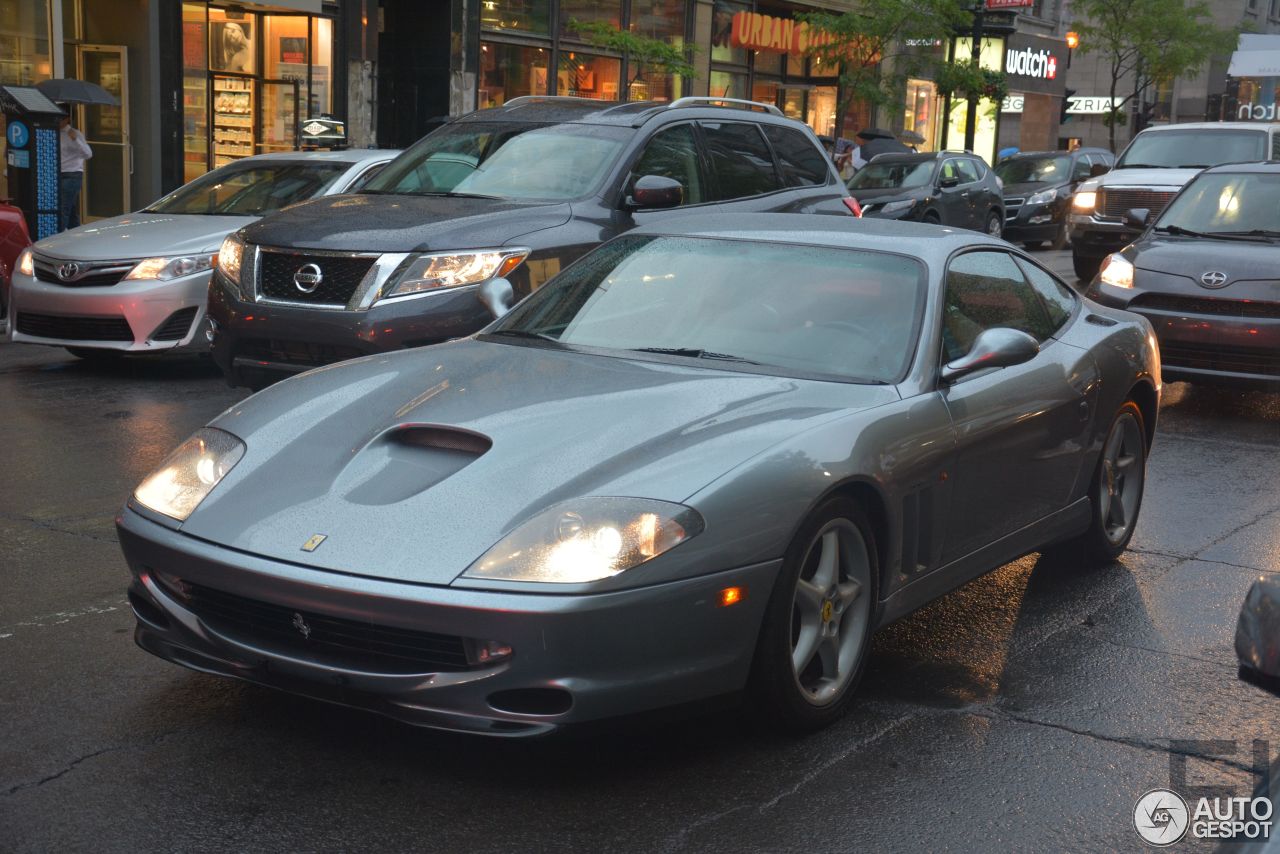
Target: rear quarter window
(741,159)
(803,164)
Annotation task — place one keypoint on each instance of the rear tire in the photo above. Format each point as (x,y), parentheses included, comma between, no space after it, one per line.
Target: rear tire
(813,646)
(1086,266)
(94,354)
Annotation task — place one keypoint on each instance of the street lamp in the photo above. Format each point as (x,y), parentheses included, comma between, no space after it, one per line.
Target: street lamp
(1073,42)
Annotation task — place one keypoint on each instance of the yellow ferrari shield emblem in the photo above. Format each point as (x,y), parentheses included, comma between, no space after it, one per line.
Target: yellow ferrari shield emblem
(313,543)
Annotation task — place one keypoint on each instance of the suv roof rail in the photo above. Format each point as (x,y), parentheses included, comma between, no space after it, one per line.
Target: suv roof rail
(550,99)
(712,101)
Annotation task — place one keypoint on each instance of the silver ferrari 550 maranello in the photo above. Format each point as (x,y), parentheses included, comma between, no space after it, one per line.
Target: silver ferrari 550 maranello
(707,459)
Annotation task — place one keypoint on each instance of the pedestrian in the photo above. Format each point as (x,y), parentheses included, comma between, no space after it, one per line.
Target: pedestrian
(75,151)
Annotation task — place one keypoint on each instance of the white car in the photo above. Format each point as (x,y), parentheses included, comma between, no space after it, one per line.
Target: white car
(138,283)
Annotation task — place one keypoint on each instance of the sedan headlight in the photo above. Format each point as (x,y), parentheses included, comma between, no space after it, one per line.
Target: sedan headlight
(1116,271)
(587,540)
(190,473)
(1044,197)
(26,263)
(163,269)
(1084,201)
(423,273)
(899,206)
(229,258)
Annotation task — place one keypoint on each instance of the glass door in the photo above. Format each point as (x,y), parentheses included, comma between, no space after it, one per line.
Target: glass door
(278,118)
(233,112)
(106,129)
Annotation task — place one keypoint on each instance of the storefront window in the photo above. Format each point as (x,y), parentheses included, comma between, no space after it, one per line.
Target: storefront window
(231,41)
(765,91)
(821,115)
(605,11)
(991,55)
(523,16)
(921,112)
(24,42)
(321,100)
(195,92)
(768,62)
(284,58)
(728,84)
(587,76)
(721,30)
(508,71)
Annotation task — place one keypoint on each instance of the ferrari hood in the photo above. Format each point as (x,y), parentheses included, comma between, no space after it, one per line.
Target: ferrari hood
(142,235)
(413,464)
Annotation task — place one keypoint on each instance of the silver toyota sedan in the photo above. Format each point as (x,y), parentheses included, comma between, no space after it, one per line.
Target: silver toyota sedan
(139,283)
(709,458)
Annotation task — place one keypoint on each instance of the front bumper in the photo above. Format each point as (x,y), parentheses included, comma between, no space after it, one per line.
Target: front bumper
(1094,237)
(130,316)
(575,659)
(1030,223)
(1208,339)
(256,342)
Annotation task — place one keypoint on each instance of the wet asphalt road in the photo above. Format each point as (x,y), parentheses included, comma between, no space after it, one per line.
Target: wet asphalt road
(1027,711)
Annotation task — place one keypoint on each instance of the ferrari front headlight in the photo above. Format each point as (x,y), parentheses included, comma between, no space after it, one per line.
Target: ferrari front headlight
(424,273)
(163,269)
(587,540)
(190,473)
(1116,271)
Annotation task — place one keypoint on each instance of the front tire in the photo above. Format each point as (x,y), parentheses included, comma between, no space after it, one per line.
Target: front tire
(1086,267)
(995,224)
(813,646)
(1115,492)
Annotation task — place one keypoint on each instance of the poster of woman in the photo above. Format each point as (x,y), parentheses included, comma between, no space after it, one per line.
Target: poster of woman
(231,46)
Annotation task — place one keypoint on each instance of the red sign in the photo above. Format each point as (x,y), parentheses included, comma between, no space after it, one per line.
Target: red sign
(1009,4)
(780,35)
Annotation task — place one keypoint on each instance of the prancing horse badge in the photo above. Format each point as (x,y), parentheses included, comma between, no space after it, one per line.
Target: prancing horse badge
(313,543)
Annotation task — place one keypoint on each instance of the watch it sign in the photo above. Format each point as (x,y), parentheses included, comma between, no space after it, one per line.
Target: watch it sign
(1029,62)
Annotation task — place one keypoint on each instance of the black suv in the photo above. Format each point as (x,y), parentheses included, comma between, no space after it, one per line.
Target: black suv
(510,194)
(1037,191)
(942,187)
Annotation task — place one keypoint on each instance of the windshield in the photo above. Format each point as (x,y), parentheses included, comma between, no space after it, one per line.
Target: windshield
(251,189)
(888,176)
(836,313)
(505,160)
(1193,149)
(1227,202)
(1035,170)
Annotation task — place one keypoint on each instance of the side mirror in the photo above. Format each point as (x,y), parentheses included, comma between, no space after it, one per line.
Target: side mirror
(655,191)
(496,295)
(994,348)
(1136,217)
(1098,169)
(947,183)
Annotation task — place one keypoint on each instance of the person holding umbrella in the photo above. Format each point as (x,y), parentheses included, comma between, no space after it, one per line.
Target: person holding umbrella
(75,152)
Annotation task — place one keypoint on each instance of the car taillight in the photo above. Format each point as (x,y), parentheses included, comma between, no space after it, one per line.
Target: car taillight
(852,204)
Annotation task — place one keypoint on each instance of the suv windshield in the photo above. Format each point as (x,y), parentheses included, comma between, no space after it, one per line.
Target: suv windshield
(505,160)
(251,189)
(886,176)
(1226,202)
(1193,149)
(812,310)
(1035,170)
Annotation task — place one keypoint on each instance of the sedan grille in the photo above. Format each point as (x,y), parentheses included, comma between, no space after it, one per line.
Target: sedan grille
(337,641)
(80,274)
(1115,202)
(1203,305)
(340,275)
(1232,359)
(74,328)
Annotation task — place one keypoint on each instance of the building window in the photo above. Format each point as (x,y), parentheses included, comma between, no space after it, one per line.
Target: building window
(518,16)
(604,11)
(728,84)
(508,71)
(721,31)
(585,76)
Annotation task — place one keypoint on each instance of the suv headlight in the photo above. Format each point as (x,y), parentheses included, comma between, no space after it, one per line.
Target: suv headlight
(424,273)
(587,540)
(1044,197)
(1084,201)
(190,473)
(229,258)
(26,263)
(1116,271)
(163,269)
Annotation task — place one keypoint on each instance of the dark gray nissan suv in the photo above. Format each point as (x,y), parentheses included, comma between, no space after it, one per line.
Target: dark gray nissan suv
(513,193)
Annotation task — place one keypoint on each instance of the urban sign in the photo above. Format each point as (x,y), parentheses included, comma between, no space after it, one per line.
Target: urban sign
(780,35)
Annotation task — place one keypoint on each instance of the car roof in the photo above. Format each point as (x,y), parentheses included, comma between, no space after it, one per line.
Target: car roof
(346,155)
(1207,126)
(1062,152)
(551,109)
(929,242)
(1268,167)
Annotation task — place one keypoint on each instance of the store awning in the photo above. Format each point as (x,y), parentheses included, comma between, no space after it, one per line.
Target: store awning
(1256,56)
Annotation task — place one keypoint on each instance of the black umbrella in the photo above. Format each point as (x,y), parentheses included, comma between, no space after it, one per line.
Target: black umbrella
(70,91)
(880,145)
(875,133)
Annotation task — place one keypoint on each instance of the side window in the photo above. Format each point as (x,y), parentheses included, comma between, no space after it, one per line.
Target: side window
(1081,170)
(1275,146)
(986,290)
(951,169)
(803,163)
(673,153)
(969,172)
(741,159)
(1059,300)
(364,177)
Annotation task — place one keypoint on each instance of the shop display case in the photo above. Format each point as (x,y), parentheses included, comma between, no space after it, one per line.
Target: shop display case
(233,112)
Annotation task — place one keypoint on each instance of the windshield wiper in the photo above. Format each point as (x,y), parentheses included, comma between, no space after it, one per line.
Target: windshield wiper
(452,195)
(1256,236)
(694,353)
(1253,232)
(1143,166)
(1179,230)
(525,333)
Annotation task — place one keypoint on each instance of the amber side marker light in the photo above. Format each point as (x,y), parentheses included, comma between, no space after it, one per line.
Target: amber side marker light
(732,596)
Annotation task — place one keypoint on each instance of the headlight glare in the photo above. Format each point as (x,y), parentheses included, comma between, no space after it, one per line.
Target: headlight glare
(1116,271)
(190,473)
(423,273)
(26,263)
(229,258)
(164,269)
(1085,200)
(899,206)
(587,540)
(1044,197)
